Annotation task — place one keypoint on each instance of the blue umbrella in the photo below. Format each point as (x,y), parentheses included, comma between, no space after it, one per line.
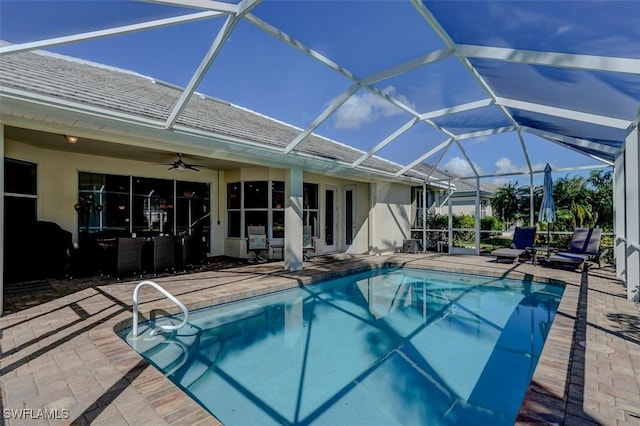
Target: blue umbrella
(547,208)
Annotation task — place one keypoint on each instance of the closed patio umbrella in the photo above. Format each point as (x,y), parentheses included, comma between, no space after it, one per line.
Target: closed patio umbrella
(547,208)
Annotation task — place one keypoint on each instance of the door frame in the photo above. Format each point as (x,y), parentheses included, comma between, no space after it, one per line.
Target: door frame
(346,226)
(334,246)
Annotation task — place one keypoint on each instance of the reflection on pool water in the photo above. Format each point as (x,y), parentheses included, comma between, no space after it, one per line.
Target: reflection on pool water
(391,346)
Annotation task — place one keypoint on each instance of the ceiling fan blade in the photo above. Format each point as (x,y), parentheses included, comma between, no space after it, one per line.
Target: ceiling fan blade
(173,166)
(192,167)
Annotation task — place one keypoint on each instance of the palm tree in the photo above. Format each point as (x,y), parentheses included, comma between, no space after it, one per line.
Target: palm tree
(524,202)
(572,198)
(600,183)
(505,203)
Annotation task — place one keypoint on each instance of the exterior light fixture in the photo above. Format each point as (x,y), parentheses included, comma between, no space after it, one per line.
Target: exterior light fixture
(71,139)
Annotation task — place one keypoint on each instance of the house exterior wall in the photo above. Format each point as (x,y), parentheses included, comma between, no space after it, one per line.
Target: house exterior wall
(390,217)
(467,205)
(57,182)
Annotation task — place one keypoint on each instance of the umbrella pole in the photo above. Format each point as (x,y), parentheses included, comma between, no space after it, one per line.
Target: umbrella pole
(548,240)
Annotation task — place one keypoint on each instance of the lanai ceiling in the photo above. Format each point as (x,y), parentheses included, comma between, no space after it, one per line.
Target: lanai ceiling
(430,77)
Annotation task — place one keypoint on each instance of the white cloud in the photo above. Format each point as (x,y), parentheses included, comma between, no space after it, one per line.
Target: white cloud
(563,29)
(459,166)
(479,140)
(367,107)
(504,165)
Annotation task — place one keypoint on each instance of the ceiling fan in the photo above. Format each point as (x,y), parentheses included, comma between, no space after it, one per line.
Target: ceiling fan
(179,164)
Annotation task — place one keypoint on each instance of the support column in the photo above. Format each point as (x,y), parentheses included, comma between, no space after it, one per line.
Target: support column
(373,244)
(424,217)
(619,225)
(293,220)
(632,207)
(477,216)
(531,212)
(2,217)
(450,212)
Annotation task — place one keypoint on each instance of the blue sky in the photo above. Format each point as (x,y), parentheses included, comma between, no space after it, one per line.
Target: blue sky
(257,71)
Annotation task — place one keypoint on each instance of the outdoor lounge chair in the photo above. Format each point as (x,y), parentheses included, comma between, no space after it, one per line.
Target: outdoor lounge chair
(585,246)
(308,243)
(522,243)
(257,242)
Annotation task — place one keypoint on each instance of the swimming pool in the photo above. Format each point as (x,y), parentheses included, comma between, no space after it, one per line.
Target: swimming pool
(391,346)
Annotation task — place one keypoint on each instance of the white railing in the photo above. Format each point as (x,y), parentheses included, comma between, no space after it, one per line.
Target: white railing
(169,296)
(628,243)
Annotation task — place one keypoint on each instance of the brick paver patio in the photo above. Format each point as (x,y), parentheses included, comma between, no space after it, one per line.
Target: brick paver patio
(60,355)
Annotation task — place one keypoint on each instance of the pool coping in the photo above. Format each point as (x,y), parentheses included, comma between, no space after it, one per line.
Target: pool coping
(544,402)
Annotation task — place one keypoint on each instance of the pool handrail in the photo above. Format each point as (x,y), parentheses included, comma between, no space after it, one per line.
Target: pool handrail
(165,293)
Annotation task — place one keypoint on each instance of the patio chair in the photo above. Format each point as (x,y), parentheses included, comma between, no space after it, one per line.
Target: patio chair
(523,238)
(124,256)
(585,246)
(308,243)
(163,254)
(257,242)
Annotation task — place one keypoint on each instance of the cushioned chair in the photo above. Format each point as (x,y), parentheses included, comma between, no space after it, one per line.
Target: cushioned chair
(163,254)
(585,246)
(125,257)
(523,238)
(257,243)
(308,243)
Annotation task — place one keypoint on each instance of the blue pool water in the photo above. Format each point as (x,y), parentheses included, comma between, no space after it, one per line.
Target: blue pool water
(393,346)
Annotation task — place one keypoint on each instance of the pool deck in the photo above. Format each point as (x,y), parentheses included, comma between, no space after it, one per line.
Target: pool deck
(59,351)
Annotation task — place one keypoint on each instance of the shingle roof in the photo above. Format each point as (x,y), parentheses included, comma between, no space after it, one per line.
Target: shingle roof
(122,91)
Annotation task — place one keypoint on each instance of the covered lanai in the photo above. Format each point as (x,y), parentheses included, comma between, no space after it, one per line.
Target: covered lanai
(524,78)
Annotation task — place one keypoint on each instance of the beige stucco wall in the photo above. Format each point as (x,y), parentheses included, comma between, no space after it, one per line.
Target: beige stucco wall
(391,217)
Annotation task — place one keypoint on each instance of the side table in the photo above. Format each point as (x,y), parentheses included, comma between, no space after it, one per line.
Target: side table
(540,249)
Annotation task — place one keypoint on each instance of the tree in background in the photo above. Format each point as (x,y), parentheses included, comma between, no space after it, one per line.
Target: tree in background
(600,186)
(524,205)
(505,203)
(573,201)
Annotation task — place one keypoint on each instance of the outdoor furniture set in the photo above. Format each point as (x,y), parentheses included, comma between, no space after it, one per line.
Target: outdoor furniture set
(584,247)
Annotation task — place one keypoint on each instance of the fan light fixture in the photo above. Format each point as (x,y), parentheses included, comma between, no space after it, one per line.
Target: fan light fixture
(181,165)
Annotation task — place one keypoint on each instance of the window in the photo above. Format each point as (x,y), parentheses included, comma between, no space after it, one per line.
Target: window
(256,195)
(20,195)
(417,207)
(256,204)
(20,216)
(251,203)
(310,206)
(277,205)
(20,177)
(234,205)
(153,206)
(192,210)
(103,203)
(119,205)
